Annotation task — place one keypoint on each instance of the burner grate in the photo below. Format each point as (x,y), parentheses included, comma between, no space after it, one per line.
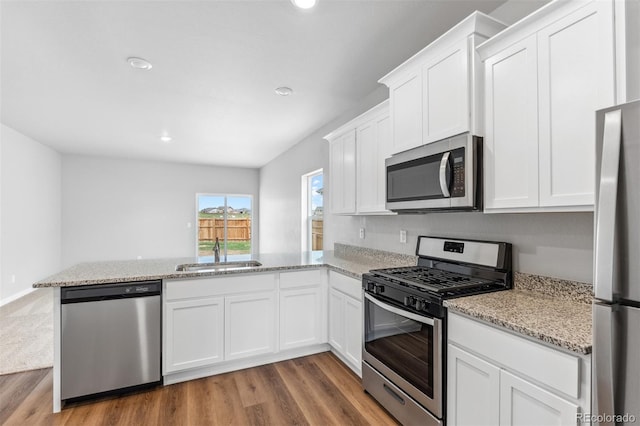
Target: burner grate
(432,279)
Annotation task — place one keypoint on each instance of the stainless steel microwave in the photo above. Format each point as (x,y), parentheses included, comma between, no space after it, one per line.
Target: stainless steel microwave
(440,176)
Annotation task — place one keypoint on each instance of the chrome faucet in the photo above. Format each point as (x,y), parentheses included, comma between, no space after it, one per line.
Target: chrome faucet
(216,251)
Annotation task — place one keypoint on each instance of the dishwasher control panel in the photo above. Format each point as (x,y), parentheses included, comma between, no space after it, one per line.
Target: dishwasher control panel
(95,292)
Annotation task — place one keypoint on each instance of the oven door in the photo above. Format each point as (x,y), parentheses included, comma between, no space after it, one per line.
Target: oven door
(406,348)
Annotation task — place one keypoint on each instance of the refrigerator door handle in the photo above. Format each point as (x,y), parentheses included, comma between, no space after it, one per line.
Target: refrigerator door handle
(606,206)
(603,386)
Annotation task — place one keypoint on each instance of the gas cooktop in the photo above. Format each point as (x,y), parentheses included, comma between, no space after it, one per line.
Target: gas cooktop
(431,279)
(448,268)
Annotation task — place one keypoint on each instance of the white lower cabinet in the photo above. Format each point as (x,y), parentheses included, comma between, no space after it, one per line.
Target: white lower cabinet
(345,319)
(303,310)
(523,403)
(211,320)
(218,324)
(353,332)
(336,320)
(473,387)
(495,377)
(187,345)
(249,325)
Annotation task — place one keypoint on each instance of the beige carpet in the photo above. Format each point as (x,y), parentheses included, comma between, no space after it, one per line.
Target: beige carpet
(26,332)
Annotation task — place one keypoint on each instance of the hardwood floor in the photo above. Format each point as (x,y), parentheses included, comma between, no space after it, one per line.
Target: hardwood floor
(313,390)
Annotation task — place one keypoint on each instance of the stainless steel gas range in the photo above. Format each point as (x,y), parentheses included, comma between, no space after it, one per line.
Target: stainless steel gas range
(404,351)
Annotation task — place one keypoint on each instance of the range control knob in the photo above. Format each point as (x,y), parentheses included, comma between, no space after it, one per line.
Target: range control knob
(409,301)
(371,286)
(420,304)
(379,289)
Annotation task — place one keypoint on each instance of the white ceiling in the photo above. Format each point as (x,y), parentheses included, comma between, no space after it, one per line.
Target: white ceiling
(65,81)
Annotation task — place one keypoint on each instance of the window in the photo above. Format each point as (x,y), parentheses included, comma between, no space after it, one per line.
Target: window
(227,218)
(312,205)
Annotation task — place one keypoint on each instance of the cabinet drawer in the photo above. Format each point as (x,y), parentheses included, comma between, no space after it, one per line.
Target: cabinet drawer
(300,278)
(346,285)
(556,369)
(216,286)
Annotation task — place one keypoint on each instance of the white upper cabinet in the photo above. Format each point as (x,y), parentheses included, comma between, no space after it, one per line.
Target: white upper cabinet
(372,148)
(357,172)
(406,104)
(511,131)
(435,94)
(343,173)
(445,91)
(576,65)
(544,79)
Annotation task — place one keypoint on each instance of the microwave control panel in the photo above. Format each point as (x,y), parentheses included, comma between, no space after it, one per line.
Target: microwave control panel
(458,173)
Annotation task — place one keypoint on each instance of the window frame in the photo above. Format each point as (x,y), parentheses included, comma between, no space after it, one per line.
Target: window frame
(306,240)
(223,253)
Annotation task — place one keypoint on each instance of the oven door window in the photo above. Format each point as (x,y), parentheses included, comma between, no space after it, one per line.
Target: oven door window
(404,345)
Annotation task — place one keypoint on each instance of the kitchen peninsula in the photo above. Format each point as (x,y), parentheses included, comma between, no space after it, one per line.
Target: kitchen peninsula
(216,321)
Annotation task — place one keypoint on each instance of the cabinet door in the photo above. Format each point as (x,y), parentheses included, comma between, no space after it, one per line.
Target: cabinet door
(383,138)
(368,164)
(336,320)
(193,334)
(249,325)
(576,74)
(343,173)
(349,172)
(511,127)
(373,146)
(446,94)
(336,170)
(406,112)
(300,317)
(473,390)
(353,332)
(523,403)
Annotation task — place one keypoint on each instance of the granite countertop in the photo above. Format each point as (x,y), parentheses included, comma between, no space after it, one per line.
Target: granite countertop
(349,260)
(553,311)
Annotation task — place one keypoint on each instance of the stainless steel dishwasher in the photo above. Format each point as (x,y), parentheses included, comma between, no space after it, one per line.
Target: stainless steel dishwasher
(111,338)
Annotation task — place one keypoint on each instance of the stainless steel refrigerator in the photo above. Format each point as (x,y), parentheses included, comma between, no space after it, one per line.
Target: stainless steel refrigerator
(616,311)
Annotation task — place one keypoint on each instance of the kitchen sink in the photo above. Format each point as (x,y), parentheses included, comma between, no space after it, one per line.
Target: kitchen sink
(217,266)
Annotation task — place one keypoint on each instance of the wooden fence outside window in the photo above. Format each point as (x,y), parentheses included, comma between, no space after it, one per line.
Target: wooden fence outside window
(237,229)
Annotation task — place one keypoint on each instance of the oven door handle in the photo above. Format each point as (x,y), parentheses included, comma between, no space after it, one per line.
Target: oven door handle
(402,313)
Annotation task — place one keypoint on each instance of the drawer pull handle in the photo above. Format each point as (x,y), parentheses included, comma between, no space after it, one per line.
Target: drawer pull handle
(393,394)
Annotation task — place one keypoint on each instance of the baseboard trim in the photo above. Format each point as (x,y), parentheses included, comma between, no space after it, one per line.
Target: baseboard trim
(16,296)
(225,367)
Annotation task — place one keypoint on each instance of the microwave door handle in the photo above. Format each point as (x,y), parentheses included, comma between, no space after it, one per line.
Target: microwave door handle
(444,165)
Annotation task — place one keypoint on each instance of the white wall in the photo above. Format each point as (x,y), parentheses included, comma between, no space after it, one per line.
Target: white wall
(281,188)
(633,49)
(550,244)
(514,10)
(30,213)
(557,245)
(120,209)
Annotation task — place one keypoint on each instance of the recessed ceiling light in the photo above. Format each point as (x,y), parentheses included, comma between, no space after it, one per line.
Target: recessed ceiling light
(284,91)
(304,4)
(165,138)
(139,63)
